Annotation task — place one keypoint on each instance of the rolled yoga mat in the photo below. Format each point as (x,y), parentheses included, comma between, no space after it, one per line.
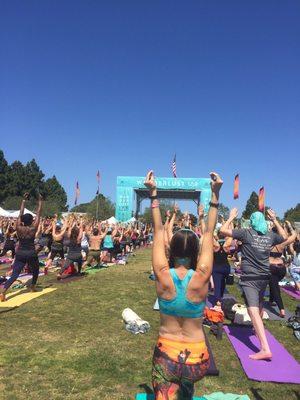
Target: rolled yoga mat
(283,368)
(289,290)
(210,298)
(212,370)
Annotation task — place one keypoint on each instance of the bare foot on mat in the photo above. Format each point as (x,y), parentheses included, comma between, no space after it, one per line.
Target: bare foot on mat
(261,355)
(2,297)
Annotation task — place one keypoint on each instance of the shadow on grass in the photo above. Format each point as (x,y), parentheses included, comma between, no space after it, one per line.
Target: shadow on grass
(243,334)
(146,388)
(256,395)
(297,395)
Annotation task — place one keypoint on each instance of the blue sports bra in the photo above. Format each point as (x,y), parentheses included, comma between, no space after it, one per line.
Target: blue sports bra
(108,242)
(180,306)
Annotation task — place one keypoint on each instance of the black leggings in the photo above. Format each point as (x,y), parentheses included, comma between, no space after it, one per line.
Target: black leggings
(19,264)
(277,274)
(219,274)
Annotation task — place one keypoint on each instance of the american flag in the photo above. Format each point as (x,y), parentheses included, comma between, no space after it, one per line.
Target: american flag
(174,171)
(77,193)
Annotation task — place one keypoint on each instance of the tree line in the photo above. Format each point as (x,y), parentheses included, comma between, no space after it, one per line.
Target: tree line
(17,178)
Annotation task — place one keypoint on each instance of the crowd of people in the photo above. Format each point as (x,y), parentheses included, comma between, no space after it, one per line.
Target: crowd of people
(188,261)
(73,244)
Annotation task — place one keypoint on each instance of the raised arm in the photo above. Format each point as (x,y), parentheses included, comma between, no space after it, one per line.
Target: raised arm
(291,238)
(205,259)
(227,244)
(114,232)
(80,234)
(54,222)
(201,222)
(38,213)
(22,207)
(272,216)
(159,259)
(64,228)
(172,221)
(166,228)
(39,230)
(226,228)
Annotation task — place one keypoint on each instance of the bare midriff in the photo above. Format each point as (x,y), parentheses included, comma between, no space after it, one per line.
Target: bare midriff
(276,261)
(181,329)
(95,242)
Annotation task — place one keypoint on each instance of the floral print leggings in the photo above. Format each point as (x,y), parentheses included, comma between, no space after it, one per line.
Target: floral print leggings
(176,367)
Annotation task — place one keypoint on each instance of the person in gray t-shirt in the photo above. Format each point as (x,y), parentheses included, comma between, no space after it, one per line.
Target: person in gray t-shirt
(256,245)
(255,251)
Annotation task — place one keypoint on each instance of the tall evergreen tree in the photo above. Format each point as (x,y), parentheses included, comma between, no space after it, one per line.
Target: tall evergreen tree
(3,177)
(55,193)
(251,206)
(17,182)
(293,214)
(16,179)
(34,178)
(106,208)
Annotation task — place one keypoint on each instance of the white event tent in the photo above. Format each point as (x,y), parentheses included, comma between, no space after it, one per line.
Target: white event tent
(14,214)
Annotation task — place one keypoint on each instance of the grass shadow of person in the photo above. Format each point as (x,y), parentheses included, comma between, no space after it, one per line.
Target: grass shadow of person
(146,387)
(243,334)
(256,395)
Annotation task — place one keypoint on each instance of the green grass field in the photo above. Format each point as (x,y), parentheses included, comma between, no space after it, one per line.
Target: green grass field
(72,344)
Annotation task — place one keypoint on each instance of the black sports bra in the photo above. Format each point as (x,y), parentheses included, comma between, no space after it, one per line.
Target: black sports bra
(275,254)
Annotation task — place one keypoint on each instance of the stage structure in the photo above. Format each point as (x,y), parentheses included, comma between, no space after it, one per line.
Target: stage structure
(131,189)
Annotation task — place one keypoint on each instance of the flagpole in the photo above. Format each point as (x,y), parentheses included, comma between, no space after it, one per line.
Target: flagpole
(97,204)
(97,195)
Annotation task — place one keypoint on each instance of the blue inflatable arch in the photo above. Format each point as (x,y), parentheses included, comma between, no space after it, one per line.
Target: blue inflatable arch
(131,189)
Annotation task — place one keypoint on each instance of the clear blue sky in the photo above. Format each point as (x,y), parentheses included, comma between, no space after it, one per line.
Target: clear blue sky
(120,86)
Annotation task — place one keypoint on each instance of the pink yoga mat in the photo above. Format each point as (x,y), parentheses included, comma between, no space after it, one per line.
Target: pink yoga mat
(291,292)
(283,368)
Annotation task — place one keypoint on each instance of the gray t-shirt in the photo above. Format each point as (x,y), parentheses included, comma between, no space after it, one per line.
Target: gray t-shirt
(256,250)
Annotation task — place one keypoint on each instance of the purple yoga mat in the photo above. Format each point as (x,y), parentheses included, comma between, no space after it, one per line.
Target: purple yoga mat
(291,292)
(283,368)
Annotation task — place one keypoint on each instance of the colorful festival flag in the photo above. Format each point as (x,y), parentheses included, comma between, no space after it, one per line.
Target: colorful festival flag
(236,187)
(98,180)
(174,171)
(77,193)
(261,199)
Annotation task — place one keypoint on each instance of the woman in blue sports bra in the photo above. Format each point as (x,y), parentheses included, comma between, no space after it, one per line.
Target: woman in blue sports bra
(180,356)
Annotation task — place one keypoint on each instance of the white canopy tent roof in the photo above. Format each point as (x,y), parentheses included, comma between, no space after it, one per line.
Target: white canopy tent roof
(130,220)
(15,214)
(111,220)
(4,213)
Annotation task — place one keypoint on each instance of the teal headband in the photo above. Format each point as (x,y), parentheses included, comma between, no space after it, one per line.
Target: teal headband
(183,261)
(258,222)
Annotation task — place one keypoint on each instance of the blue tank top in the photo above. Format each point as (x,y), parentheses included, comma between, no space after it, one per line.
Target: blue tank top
(180,306)
(108,242)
